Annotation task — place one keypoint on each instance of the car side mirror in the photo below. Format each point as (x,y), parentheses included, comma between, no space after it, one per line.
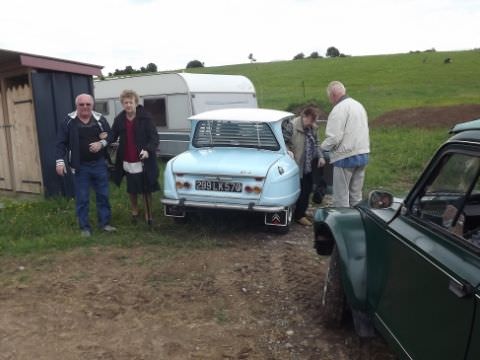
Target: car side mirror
(380,199)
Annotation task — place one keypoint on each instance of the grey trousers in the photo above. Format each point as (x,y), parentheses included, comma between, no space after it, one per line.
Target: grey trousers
(347,186)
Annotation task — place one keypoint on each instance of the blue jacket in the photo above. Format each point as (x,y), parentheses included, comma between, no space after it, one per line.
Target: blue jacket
(67,147)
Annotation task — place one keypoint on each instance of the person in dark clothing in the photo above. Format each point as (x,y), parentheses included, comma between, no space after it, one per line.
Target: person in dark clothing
(83,135)
(136,153)
(301,139)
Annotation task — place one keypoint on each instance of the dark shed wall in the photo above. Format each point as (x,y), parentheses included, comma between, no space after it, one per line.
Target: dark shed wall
(54,97)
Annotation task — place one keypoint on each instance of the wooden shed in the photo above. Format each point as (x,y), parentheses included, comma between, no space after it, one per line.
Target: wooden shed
(36,93)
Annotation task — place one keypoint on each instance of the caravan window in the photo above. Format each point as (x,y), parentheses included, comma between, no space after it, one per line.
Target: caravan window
(102,107)
(156,107)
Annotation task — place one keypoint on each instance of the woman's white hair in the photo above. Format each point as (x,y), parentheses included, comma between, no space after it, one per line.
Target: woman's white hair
(336,87)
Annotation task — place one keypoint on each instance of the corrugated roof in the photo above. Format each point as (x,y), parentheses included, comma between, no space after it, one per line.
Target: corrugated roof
(11,59)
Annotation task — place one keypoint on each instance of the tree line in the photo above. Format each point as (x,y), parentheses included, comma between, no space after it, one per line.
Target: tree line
(332,52)
(129,70)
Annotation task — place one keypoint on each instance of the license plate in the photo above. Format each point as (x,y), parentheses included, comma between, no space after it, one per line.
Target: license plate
(224,186)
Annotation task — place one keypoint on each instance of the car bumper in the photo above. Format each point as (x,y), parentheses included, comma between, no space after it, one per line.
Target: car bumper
(224,206)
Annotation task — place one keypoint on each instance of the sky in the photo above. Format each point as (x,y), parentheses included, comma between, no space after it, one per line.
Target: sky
(117,33)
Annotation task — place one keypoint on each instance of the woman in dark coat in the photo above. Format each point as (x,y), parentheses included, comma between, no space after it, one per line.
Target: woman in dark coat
(136,153)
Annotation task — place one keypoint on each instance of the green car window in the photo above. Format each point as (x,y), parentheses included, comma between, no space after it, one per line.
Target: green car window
(451,199)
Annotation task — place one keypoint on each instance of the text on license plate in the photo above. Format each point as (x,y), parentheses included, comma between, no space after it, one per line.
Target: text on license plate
(209,185)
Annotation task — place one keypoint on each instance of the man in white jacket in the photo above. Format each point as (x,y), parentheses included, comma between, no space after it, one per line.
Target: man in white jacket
(347,140)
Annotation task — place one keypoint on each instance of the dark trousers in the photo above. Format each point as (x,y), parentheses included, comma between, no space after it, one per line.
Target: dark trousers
(301,206)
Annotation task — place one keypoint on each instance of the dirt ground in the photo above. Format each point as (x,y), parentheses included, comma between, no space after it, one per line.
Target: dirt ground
(255,295)
(429,117)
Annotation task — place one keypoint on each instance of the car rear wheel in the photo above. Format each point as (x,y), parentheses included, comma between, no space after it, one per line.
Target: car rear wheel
(333,300)
(180,220)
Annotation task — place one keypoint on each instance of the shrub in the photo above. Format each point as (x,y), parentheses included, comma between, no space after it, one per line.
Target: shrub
(332,51)
(299,56)
(195,64)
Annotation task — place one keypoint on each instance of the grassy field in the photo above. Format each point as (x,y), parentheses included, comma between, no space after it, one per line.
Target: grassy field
(381,83)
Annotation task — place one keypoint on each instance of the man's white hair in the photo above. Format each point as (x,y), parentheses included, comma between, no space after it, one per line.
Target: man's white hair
(336,87)
(78,97)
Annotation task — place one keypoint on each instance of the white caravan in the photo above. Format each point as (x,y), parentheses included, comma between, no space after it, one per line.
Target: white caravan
(172,98)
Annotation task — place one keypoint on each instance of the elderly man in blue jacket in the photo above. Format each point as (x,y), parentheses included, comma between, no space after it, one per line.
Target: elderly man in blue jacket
(83,135)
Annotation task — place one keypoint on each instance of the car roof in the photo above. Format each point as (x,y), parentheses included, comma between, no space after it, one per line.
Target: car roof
(465,126)
(243,115)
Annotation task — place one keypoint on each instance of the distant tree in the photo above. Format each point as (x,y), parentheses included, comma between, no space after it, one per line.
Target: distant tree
(151,67)
(342,55)
(129,70)
(332,51)
(299,56)
(251,58)
(195,64)
(110,74)
(143,69)
(314,55)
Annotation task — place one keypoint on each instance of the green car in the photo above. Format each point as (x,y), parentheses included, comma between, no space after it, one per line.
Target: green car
(410,269)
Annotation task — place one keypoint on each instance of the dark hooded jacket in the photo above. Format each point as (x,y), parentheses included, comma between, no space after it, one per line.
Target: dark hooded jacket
(146,138)
(67,144)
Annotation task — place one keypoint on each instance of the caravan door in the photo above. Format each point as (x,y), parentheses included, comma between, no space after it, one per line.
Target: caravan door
(175,130)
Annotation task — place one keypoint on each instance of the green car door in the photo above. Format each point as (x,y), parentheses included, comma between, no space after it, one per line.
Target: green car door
(474,351)
(424,265)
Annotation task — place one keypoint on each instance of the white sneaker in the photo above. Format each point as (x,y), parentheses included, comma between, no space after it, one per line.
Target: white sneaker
(109,228)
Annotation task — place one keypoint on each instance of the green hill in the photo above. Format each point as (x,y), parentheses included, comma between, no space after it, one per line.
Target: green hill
(382,83)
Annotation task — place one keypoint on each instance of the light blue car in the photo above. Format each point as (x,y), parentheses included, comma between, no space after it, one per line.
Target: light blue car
(237,160)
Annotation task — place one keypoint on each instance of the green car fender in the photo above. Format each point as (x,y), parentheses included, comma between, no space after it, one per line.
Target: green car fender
(344,228)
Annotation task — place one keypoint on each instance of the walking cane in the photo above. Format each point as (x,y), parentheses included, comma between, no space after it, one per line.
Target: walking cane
(148,210)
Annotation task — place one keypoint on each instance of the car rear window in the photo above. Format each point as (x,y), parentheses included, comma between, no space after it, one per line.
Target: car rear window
(234,134)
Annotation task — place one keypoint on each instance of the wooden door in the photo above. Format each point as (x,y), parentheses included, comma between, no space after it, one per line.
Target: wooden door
(5,174)
(25,151)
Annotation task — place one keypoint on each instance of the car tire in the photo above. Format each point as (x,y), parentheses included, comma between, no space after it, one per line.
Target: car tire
(333,299)
(180,220)
(323,244)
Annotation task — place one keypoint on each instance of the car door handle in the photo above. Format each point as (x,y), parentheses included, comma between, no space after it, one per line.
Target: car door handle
(460,290)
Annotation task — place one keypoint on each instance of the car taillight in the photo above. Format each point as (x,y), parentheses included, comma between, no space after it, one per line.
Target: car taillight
(183,185)
(255,189)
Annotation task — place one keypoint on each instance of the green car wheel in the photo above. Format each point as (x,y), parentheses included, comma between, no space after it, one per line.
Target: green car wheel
(333,300)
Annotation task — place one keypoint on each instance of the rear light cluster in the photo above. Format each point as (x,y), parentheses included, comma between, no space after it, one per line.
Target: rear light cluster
(183,185)
(253,189)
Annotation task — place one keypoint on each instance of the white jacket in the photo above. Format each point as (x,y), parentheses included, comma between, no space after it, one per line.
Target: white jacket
(347,130)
